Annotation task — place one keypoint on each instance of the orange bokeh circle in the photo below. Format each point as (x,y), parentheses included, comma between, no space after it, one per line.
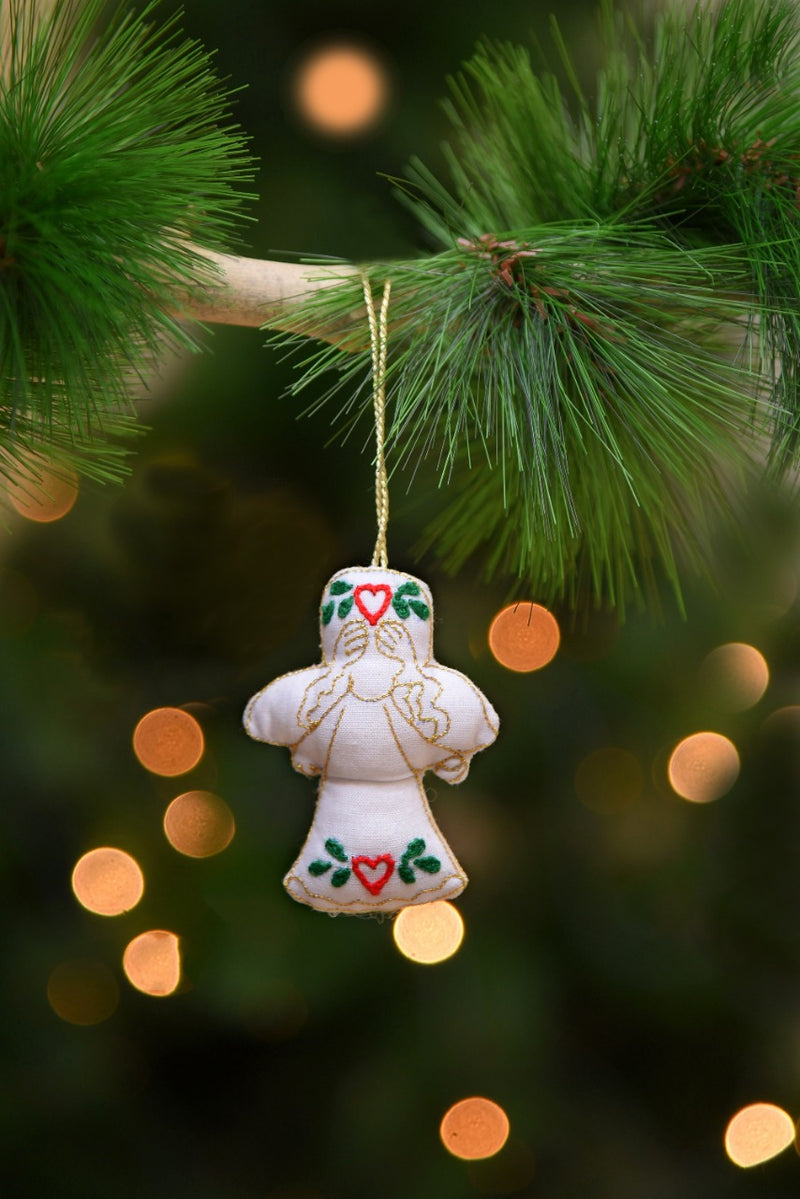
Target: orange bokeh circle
(45,497)
(429,933)
(168,741)
(341,89)
(474,1128)
(152,962)
(524,637)
(107,881)
(757,1133)
(703,767)
(735,676)
(199,824)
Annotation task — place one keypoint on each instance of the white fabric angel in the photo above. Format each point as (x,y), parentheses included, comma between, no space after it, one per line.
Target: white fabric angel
(370,720)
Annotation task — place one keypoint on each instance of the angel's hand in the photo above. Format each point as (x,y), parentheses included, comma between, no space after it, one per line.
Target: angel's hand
(394,641)
(351,644)
(453,769)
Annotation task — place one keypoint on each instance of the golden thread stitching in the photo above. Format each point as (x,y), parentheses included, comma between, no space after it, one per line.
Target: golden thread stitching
(324,775)
(397,742)
(396,901)
(322,770)
(378,343)
(418,772)
(330,753)
(249,715)
(322,675)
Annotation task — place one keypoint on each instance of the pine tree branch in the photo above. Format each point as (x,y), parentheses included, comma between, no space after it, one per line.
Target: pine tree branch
(256,292)
(117,154)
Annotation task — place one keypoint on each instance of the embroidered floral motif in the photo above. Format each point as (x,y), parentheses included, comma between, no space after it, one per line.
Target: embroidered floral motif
(415,848)
(404,600)
(319,866)
(404,606)
(405,871)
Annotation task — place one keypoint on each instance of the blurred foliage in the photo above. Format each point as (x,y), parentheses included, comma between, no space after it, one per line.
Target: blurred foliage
(627,981)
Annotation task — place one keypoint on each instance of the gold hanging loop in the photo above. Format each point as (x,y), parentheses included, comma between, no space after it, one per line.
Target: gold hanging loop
(378,339)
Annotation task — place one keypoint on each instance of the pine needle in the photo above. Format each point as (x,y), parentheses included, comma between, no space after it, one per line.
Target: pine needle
(115,151)
(606,335)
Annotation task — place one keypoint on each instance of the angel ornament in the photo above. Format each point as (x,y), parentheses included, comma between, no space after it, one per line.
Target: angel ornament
(370,720)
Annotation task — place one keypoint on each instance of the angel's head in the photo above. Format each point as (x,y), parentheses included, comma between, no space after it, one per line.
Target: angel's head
(375,596)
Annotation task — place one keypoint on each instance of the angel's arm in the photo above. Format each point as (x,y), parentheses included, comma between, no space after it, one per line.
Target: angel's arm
(273,714)
(473,723)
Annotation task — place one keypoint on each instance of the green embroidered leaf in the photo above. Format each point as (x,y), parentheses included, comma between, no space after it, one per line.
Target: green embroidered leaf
(340,877)
(415,847)
(318,867)
(401,607)
(327,612)
(345,606)
(408,588)
(429,865)
(336,849)
(422,610)
(406,873)
(340,586)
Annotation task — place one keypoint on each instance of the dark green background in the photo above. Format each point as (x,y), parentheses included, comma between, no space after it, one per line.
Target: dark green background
(627,981)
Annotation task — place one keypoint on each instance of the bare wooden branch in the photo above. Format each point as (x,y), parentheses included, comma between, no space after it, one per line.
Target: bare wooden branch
(255,292)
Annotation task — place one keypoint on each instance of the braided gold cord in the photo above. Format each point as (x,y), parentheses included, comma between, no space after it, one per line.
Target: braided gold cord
(377,336)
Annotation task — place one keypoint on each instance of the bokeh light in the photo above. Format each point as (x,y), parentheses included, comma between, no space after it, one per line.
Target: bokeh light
(474,1128)
(734,676)
(609,780)
(82,992)
(757,1133)
(429,932)
(524,637)
(783,720)
(44,493)
(341,89)
(703,767)
(168,741)
(152,962)
(199,824)
(108,881)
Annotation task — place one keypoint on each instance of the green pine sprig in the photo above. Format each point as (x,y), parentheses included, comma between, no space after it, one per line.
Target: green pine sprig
(589,353)
(116,155)
(579,393)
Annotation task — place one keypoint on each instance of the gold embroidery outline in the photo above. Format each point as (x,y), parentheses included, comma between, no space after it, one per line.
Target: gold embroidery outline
(397,901)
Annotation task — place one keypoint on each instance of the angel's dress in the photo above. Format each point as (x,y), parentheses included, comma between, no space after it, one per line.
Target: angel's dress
(369,721)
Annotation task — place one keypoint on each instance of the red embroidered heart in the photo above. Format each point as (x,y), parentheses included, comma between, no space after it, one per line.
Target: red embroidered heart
(373,885)
(375,607)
